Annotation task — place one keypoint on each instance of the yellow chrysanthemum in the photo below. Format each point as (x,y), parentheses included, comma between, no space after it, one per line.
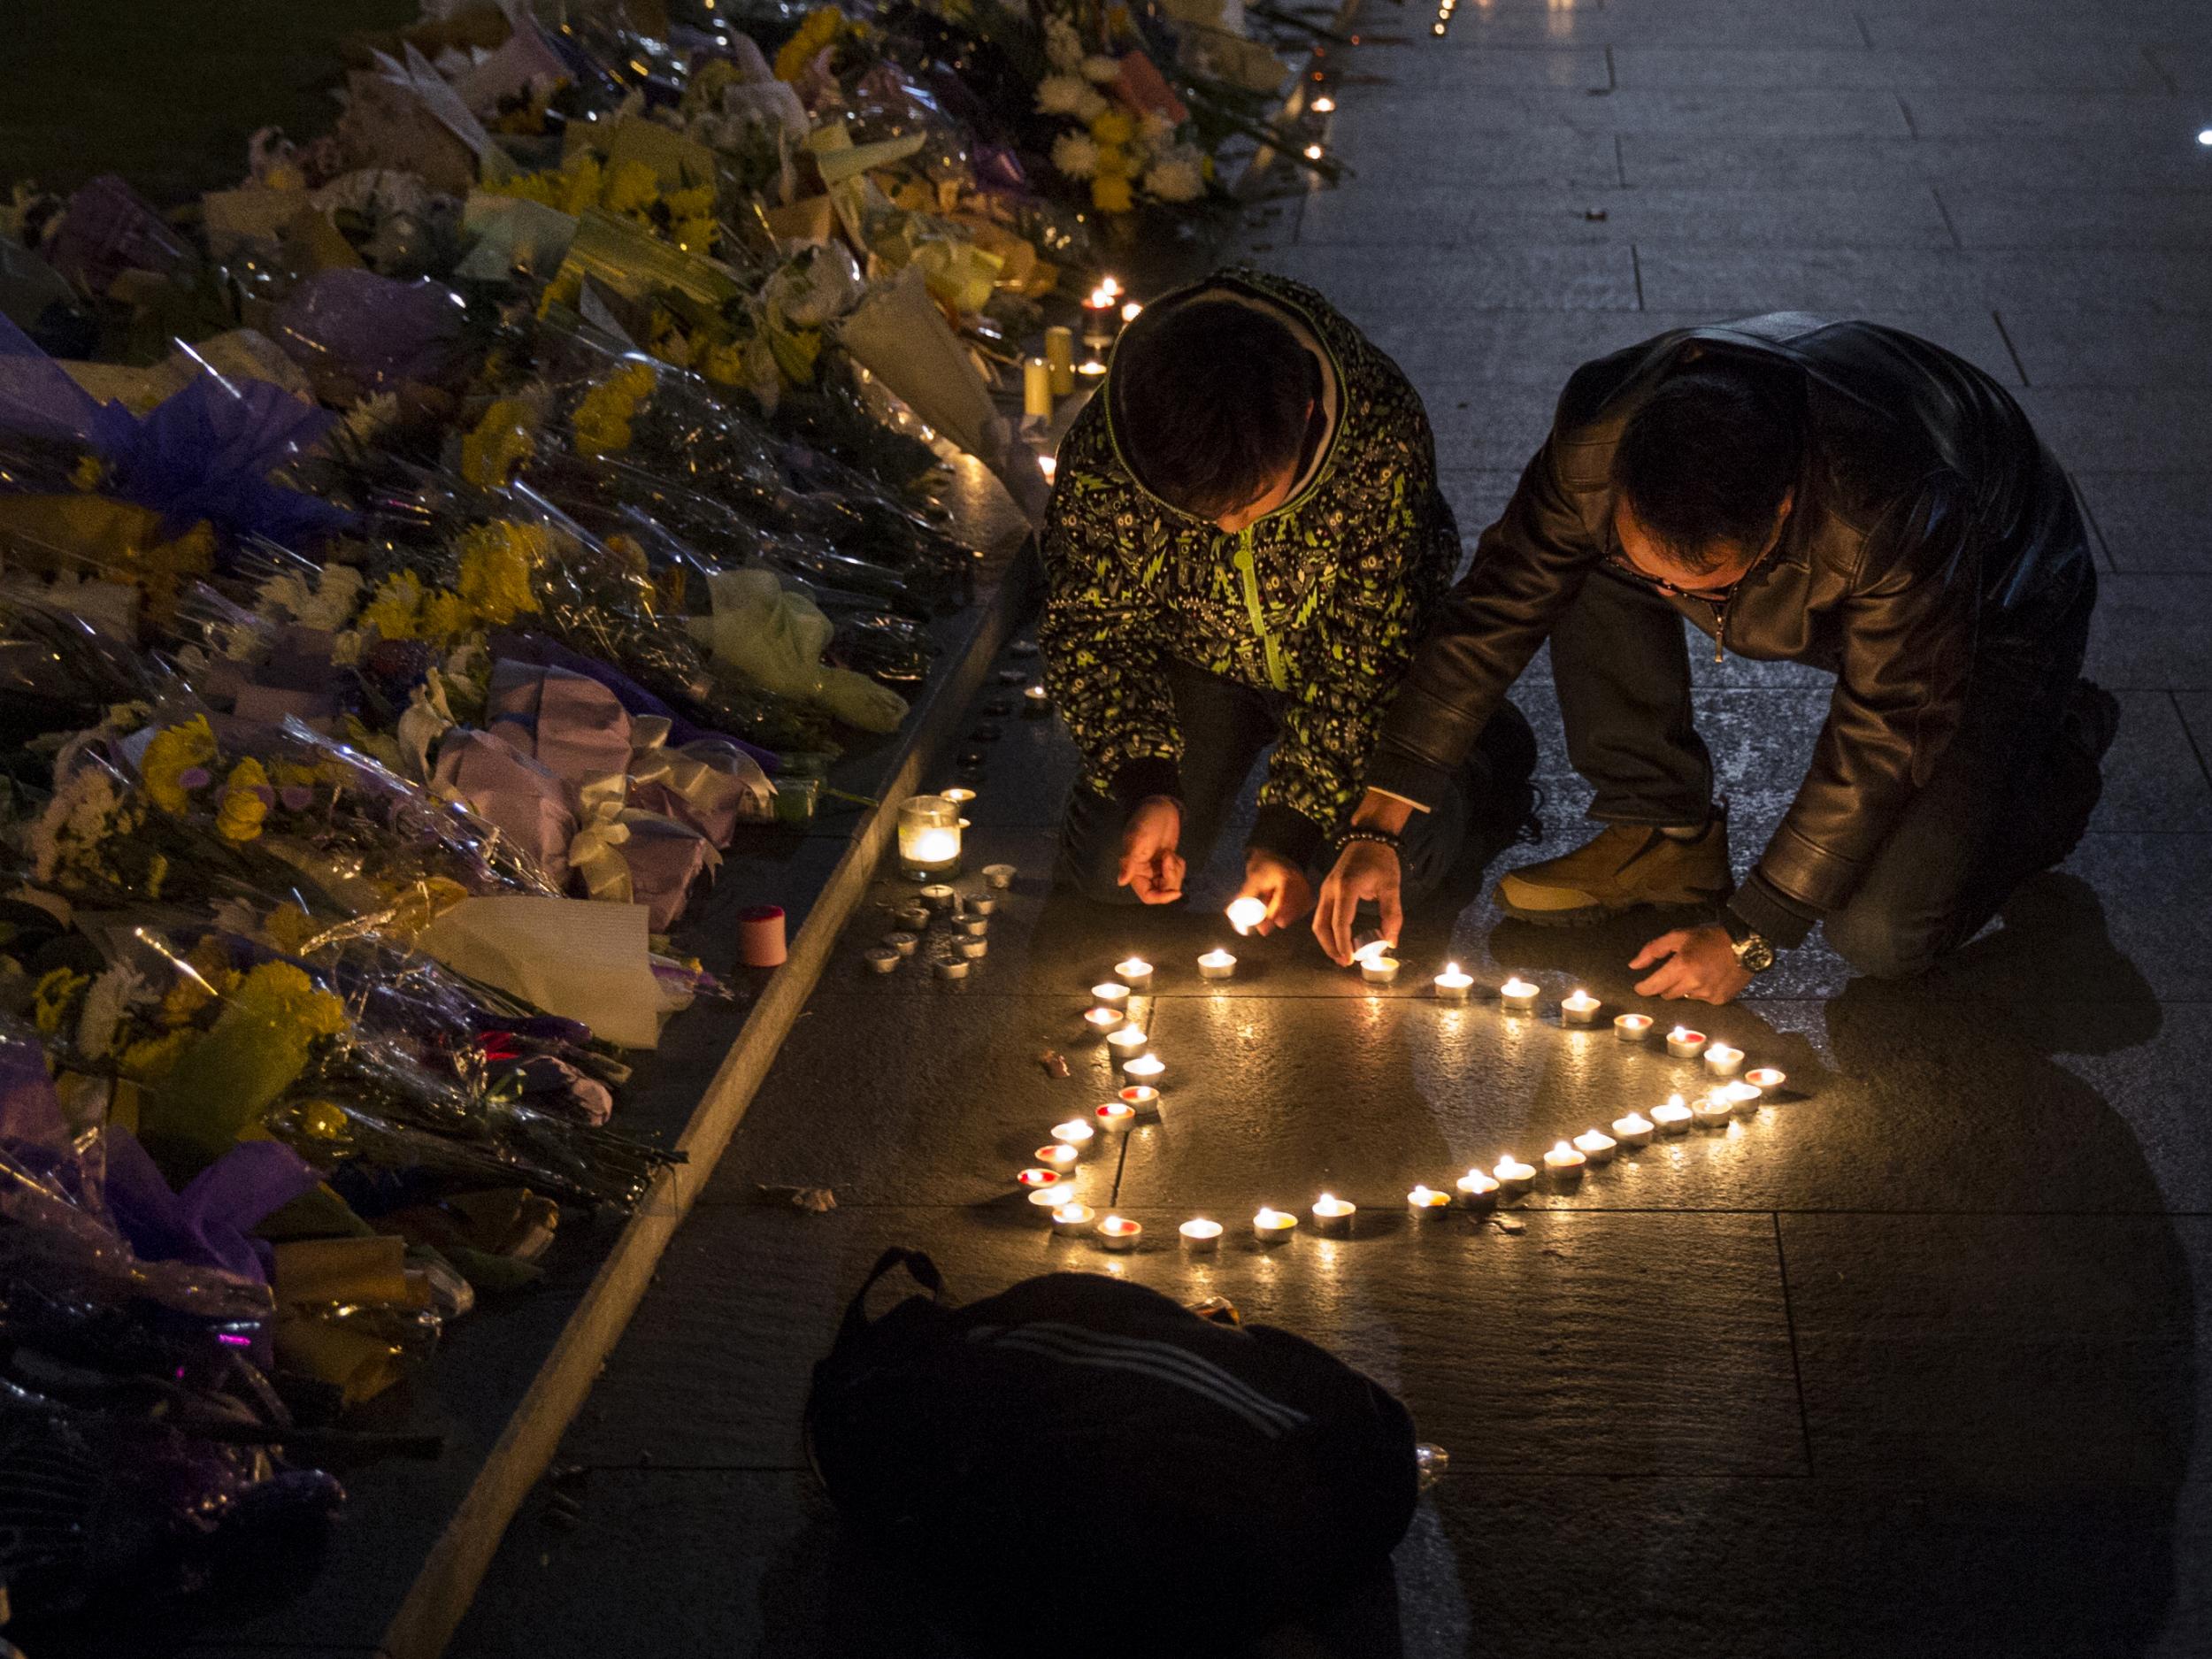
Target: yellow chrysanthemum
(497,562)
(289,928)
(601,420)
(147,1059)
(501,442)
(175,750)
(630,188)
(1111,194)
(394,611)
(1113,128)
(54,995)
(695,202)
(821,29)
(244,805)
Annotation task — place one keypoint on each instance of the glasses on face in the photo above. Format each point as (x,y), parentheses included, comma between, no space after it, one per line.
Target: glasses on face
(1634,572)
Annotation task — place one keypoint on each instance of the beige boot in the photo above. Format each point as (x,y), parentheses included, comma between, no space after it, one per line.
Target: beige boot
(1622,867)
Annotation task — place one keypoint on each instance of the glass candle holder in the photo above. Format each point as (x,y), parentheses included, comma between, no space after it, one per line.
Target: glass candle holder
(929,838)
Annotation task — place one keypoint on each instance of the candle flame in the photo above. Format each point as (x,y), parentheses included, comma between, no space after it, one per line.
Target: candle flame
(1246,913)
(1560,1146)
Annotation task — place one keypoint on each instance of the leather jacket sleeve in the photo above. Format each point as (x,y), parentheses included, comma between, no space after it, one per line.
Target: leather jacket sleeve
(1528,567)
(1906,631)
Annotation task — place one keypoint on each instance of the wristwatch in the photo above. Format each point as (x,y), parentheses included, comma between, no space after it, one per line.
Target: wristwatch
(1755,952)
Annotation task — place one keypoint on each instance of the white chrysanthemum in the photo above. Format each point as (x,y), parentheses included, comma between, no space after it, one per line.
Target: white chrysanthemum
(1062,94)
(113,996)
(367,420)
(1100,69)
(1174,178)
(1075,155)
(1155,129)
(337,593)
(1063,46)
(1092,105)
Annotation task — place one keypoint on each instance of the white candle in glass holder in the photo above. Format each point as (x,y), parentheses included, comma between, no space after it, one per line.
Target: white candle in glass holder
(1564,1161)
(1582,1009)
(1673,1116)
(1517,995)
(1632,1027)
(1136,972)
(1635,1130)
(1200,1236)
(1126,1041)
(1270,1226)
(1477,1189)
(1144,1068)
(1072,1219)
(1246,913)
(1723,1061)
(1596,1145)
(1216,964)
(1452,986)
(1113,993)
(928,837)
(1118,1233)
(1514,1176)
(1332,1215)
(1684,1044)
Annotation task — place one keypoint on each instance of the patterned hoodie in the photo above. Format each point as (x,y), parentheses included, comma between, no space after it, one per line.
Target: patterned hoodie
(1321,602)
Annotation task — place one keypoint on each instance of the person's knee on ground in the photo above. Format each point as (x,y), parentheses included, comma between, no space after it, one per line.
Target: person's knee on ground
(1883,947)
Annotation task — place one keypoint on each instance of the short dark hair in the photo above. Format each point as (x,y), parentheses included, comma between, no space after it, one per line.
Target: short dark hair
(1705,462)
(1211,403)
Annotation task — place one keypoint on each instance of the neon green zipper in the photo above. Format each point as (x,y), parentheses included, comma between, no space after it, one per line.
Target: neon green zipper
(1276,675)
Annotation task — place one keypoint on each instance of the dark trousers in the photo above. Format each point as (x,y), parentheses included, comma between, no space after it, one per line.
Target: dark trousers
(1225,727)
(2009,797)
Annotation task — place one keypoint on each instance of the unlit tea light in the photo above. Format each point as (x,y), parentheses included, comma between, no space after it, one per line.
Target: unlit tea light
(1272,1226)
(1632,1027)
(1517,995)
(1136,973)
(1582,1009)
(1684,1044)
(1118,1233)
(883,958)
(1332,1215)
(1246,914)
(1216,964)
(1452,986)
(1723,1061)
(999,876)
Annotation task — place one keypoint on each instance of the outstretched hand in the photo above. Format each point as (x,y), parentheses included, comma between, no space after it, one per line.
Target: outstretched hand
(1696,963)
(1366,870)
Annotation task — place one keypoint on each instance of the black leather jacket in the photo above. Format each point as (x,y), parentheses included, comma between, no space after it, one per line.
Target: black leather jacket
(1933,538)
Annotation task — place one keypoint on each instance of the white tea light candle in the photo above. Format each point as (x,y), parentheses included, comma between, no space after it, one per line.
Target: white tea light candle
(1513,1176)
(1426,1200)
(1136,972)
(1582,1009)
(1673,1116)
(1114,1115)
(1517,995)
(1073,1220)
(1476,1190)
(1767,1078)
(1596,1145)
(1246,914)
(1113,993)
(1272,1226)
(1075,1132)
(1714,1110)
(1103,1021)
(1200,1236)
(1127,1041)
(1742,1093)
(1146,1069)
(1036,701)
(1632,1027)
(1216,964)
(1332,1215)
(1723,1061)
(1635,1130)
(1565,1160)
(1684,1044)
(1380,970)
(1059,1155)
(1045,1199)
(1452,986)
(1143,1099)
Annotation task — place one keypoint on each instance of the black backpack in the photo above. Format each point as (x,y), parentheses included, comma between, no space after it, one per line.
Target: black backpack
(1082,1434)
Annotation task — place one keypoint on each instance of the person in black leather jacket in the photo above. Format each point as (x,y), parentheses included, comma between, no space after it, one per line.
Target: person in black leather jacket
(1838,493)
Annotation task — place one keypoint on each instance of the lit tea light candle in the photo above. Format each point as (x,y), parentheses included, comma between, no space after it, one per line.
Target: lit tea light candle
(1130,311)
(1713,1109)
(1039,1178)
(1426,1200)
(1324,105)
(1723,1061)
(1246,914)
(1596,1145)
(1216,964)
(1114,1115)
(951,967)
(1075,1132)
(1045,1199)
(1090,367)
(1671,1116)
(1514,1176)
(1049,465)
(1564,1161)
(1111,994)
(937,896)
(1476,1190)
(1743,1093)
(1200,1236)
(1684,1044)
(1632,1027)
(958,797)
(1146,1069)
(1136,972)
(1109,284)
(1517,995)
(1118,1233)
(1059,1155)
(1073,1220)
(1452,986)
(883,958)
(1143,1099)
(1766,1078)
(999,876)
(1036,701)
(1272,1226)
(1104,1020)
(1582,1009)
(1380,970)
(1332,1215)
(1367,946)
(1127,1041)
(1635,1130)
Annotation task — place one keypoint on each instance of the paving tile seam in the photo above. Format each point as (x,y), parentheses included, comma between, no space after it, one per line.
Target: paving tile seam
(1797,1364)
(1000,1207)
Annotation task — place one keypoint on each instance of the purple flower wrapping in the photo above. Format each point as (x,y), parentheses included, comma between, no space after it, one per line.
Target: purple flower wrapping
(505,787)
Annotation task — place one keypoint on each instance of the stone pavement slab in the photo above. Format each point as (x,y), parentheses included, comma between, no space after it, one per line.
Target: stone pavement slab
(2153,522)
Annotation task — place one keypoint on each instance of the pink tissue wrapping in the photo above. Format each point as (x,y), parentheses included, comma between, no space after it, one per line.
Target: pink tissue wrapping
(760,936)
(529,804)
(664,857)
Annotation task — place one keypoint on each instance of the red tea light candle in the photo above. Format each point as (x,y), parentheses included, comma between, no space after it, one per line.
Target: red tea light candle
(1452,986)
(1332,1215)
(1073,1220)
(1684,1044)
(1141,1098)
(1075,1134)
(1426,1200)
(1136,972)
(1146,1069)
(1200,1236)
(1596,1145)
(1118,1233)
(1272,1226)
(1514,1176)
(1113,993)
(1517,995)
(1635,1130)
(1565,1161)
(1114,1115)
(1216,964)
(1582,1009)
(1632,1027)
(1723,1061)
(1127,1041)
(1476,1190)
(1059,1155)
(1246,914)
(1105,1021)
(1767,1078)
(1672,1117)
(1033,1179)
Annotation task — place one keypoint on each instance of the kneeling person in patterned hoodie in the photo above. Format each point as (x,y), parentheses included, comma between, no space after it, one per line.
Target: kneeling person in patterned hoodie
(1245,544)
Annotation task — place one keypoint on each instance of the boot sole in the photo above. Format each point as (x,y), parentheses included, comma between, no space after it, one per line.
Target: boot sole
(1590,915)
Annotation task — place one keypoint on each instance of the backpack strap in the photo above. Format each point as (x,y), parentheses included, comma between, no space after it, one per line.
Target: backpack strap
(920,1267)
